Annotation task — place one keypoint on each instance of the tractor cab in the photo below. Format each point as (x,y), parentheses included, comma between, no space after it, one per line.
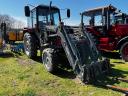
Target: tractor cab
(42,15)
(101,20)
(98,19)
(43,21)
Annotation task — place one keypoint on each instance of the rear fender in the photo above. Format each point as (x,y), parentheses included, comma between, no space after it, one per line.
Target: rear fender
(122,41)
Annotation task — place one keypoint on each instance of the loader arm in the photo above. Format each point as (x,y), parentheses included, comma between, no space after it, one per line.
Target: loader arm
(69,47)
(81,52)
(77,45)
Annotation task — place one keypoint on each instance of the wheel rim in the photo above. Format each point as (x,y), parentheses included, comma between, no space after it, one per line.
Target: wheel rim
(125,52)
(46,61)
(27,46)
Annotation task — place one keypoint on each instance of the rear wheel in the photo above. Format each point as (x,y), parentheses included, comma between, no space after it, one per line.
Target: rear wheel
(30,47)
(124,51)
(49,60)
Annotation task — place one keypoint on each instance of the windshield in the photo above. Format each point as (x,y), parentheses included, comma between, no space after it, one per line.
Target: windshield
(92,20)
(46,17)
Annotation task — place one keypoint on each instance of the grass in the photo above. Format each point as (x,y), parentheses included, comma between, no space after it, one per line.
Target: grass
(20,76)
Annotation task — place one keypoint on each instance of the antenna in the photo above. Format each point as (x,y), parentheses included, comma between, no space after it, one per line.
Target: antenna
(50,3)
(50,9)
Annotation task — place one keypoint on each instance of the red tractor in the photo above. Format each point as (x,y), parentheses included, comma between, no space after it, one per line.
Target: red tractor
(109,29)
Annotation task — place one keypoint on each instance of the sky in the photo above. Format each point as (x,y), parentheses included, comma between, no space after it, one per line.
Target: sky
(15,8)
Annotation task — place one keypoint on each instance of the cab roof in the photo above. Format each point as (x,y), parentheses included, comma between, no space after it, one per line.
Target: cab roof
(46,7)
(99,10)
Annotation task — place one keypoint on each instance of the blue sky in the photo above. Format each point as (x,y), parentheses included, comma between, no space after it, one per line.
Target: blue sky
(15,8)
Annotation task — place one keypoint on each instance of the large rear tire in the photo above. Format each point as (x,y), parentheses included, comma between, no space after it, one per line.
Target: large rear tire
(49,60)
(30,46)
(124,51)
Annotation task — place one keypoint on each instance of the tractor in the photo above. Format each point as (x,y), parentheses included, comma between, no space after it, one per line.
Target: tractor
(108,27)
(60,44)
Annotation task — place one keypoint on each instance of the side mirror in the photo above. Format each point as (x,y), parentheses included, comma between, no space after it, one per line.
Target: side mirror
(68,13)
(27,11)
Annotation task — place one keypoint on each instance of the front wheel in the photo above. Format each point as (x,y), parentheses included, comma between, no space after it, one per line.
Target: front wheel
(124,51)
(49,60)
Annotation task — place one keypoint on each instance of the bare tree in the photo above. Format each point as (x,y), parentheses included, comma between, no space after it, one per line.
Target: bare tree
(18,24)
(11,23)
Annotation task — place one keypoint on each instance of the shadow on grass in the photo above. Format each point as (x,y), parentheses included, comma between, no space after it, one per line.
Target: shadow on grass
(61,71)
(6,55)
(111,79)
(37,59)
(65,73)
(111,55)
(101,81)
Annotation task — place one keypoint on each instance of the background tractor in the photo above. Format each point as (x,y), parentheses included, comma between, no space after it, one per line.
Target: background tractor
(59,43)
(109,29)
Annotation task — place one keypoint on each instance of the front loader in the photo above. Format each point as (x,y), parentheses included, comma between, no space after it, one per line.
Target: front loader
(82,53)
(59,43)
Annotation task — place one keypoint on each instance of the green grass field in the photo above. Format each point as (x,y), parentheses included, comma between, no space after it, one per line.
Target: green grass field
(20,76)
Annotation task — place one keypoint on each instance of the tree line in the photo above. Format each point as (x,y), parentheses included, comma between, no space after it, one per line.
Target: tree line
(11,22)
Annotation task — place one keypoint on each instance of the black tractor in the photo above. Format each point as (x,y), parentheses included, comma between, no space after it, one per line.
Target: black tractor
(59,43)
